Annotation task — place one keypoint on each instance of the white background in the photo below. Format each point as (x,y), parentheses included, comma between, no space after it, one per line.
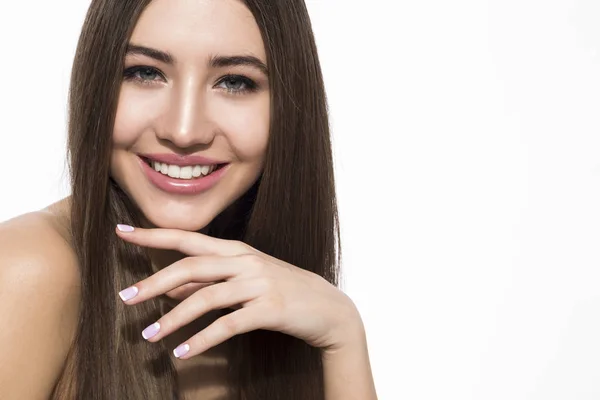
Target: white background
(468,166)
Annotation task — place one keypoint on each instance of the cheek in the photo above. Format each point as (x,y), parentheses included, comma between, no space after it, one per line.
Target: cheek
(134,112)
(246,127)
(243,121)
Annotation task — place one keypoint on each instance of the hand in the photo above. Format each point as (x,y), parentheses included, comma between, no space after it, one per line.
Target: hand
(268,293)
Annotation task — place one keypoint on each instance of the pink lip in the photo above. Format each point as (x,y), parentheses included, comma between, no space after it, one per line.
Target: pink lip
(182,161)
(183,186)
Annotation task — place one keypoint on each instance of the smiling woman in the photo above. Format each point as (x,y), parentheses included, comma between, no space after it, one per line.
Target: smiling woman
(197,257)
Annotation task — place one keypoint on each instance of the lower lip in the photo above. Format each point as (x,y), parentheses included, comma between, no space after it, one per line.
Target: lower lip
(182,186)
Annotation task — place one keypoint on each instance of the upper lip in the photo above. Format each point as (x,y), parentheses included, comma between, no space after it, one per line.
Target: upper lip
(182,161)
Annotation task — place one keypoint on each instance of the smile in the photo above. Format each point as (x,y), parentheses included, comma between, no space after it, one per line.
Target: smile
(182,179)
(183,172)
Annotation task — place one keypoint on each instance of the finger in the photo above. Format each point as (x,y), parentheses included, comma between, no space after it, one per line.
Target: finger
(219,296)
(184,291)
(190,243)
(190,269)
(235,323)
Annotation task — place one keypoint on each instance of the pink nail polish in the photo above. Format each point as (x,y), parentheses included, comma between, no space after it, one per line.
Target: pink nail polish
(181,350)
(125,228)
(151,330)
(128,293)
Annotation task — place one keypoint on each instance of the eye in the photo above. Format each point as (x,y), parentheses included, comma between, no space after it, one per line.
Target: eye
(237,84)
(142,74)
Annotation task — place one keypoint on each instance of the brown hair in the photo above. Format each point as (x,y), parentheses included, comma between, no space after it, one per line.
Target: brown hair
(289,213)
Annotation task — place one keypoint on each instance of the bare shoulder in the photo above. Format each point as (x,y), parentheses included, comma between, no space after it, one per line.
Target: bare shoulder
(37,244)
(39,303)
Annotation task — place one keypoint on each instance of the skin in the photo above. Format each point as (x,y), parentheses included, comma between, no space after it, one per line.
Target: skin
(186,108)
(45,272)
(270,294)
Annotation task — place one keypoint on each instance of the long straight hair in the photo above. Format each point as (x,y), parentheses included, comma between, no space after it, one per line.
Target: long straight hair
(289,213)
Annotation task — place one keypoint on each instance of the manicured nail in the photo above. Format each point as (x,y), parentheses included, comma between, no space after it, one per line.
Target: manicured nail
(151,330)
(128,293)
(181,350)
(125,228)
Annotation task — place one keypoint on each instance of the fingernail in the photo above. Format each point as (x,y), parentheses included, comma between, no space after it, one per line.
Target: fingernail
(125,228)
(181,350)
(128,293)
(151,330)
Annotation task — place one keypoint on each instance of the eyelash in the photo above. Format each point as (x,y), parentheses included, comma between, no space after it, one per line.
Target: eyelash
(250,86)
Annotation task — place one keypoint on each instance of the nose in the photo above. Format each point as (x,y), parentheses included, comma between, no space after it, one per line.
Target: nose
(186,121)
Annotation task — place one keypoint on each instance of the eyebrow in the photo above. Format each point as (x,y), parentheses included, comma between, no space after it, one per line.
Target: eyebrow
(214,62)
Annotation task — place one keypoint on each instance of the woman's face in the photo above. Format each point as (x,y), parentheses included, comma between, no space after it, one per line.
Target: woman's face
(195,84)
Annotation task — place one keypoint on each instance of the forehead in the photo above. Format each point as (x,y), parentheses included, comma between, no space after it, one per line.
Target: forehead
(192,30)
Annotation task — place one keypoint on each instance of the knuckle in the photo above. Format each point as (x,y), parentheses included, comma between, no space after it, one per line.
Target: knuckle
(187,266)
(255,262)
(201,341)
(208,296)
(230,324)
(183,244)
(240,247)
(267,284)
(188,269)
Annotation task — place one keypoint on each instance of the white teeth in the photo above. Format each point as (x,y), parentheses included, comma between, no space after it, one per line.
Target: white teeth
(174,171)
(187,172)
(197,171)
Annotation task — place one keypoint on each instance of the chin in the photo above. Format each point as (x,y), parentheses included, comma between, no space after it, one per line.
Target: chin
(178,218)
(189,212)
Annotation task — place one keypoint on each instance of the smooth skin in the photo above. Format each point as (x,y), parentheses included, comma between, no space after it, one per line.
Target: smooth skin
(39,304)
(271,294)
(188,106)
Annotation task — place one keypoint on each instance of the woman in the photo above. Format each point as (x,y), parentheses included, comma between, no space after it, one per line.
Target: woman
(196,257)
